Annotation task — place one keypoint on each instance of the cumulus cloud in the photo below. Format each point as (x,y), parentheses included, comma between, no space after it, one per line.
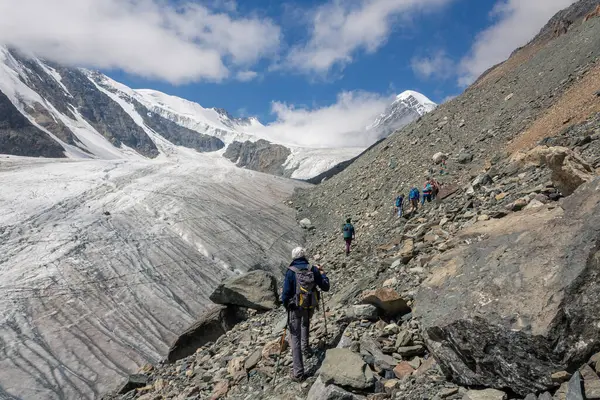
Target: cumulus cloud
(437,65)
(516,22)
(246,76)
(150,38)
(340,28)
(341,124)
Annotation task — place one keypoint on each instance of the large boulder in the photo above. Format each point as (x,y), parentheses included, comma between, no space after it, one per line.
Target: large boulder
(256,290)
(569,170)
(209,327)
(521,301)
(387,300)
(320,391)
(344,368)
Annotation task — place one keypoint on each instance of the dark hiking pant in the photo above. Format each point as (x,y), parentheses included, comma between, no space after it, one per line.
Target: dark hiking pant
(348,245)
(299,328)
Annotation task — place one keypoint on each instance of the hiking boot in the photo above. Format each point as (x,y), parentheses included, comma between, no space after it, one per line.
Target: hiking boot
(308,353)
(298,379)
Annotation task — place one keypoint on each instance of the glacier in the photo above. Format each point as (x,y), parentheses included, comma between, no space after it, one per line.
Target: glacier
(105,262)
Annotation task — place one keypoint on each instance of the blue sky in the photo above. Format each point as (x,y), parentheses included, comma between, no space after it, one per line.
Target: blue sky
(386,71)
(313,68)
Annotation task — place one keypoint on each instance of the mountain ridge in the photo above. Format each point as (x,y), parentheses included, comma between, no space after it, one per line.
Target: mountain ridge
(92,116)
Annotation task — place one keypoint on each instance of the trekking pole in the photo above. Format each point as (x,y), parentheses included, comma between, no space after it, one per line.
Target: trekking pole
(281,348)
(324,313)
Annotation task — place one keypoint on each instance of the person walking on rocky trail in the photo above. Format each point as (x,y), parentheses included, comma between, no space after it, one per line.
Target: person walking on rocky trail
(427,192)
(435,185)
(349,236)
(300,297)
(414,196)
(399,203)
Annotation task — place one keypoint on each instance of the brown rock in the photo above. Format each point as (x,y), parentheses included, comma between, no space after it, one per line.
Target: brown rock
(588,374)
(386,299)
(561,376)
(403,369)
(220,390)
(426,366)
(408,251)
(272,349)
(569,170)
(235,365)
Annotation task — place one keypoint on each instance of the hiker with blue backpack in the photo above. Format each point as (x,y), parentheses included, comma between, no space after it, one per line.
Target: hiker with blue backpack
(399,202)
(414,195)
(427,192)
(349,236)
(300,297)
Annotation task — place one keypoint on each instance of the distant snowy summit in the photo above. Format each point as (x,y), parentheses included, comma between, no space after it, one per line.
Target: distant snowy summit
(48,110)
(407,107)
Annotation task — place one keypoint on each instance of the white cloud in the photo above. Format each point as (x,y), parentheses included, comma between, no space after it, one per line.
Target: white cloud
(150,38)
(336,125)
(437,65)
(517,22)
(246,76)
(340,28)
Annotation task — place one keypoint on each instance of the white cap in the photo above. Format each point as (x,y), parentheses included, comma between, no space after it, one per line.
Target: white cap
(298,252)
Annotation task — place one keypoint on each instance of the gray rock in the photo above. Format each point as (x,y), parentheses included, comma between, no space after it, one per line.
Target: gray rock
(411,351)
(256,290)
(574,390)
(464,158)
(460,304)
(482,180)
(486,394)
(531,396)
(362,311)
(321,391)
(210,326)
(253,360)
(18,136)
(345,368)
(306,223)
(545,396)
(404,338)
(260,156)
(134,382)
(369,346)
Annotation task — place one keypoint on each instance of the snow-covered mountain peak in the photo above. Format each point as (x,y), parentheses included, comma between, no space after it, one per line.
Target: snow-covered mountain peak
(408,106)
(417,100)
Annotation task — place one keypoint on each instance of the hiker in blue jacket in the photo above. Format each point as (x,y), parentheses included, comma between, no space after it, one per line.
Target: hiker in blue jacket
(414,195)
(399,203)
(300,298)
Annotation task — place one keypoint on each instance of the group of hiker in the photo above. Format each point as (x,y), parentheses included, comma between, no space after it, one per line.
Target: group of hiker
(431,188)
(300,294)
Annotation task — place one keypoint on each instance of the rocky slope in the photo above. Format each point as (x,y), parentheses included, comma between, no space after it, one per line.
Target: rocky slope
(500,273)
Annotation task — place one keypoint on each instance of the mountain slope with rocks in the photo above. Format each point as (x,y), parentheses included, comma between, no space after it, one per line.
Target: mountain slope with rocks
(489,292)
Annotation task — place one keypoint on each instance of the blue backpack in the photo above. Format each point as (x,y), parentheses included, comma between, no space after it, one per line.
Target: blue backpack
(348,229)
(398,201)
(414,193)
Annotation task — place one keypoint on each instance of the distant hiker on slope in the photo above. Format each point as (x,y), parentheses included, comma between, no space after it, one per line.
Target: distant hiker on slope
(427,192)
(398,204)
(349,236)
(300,297)
(414,196)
